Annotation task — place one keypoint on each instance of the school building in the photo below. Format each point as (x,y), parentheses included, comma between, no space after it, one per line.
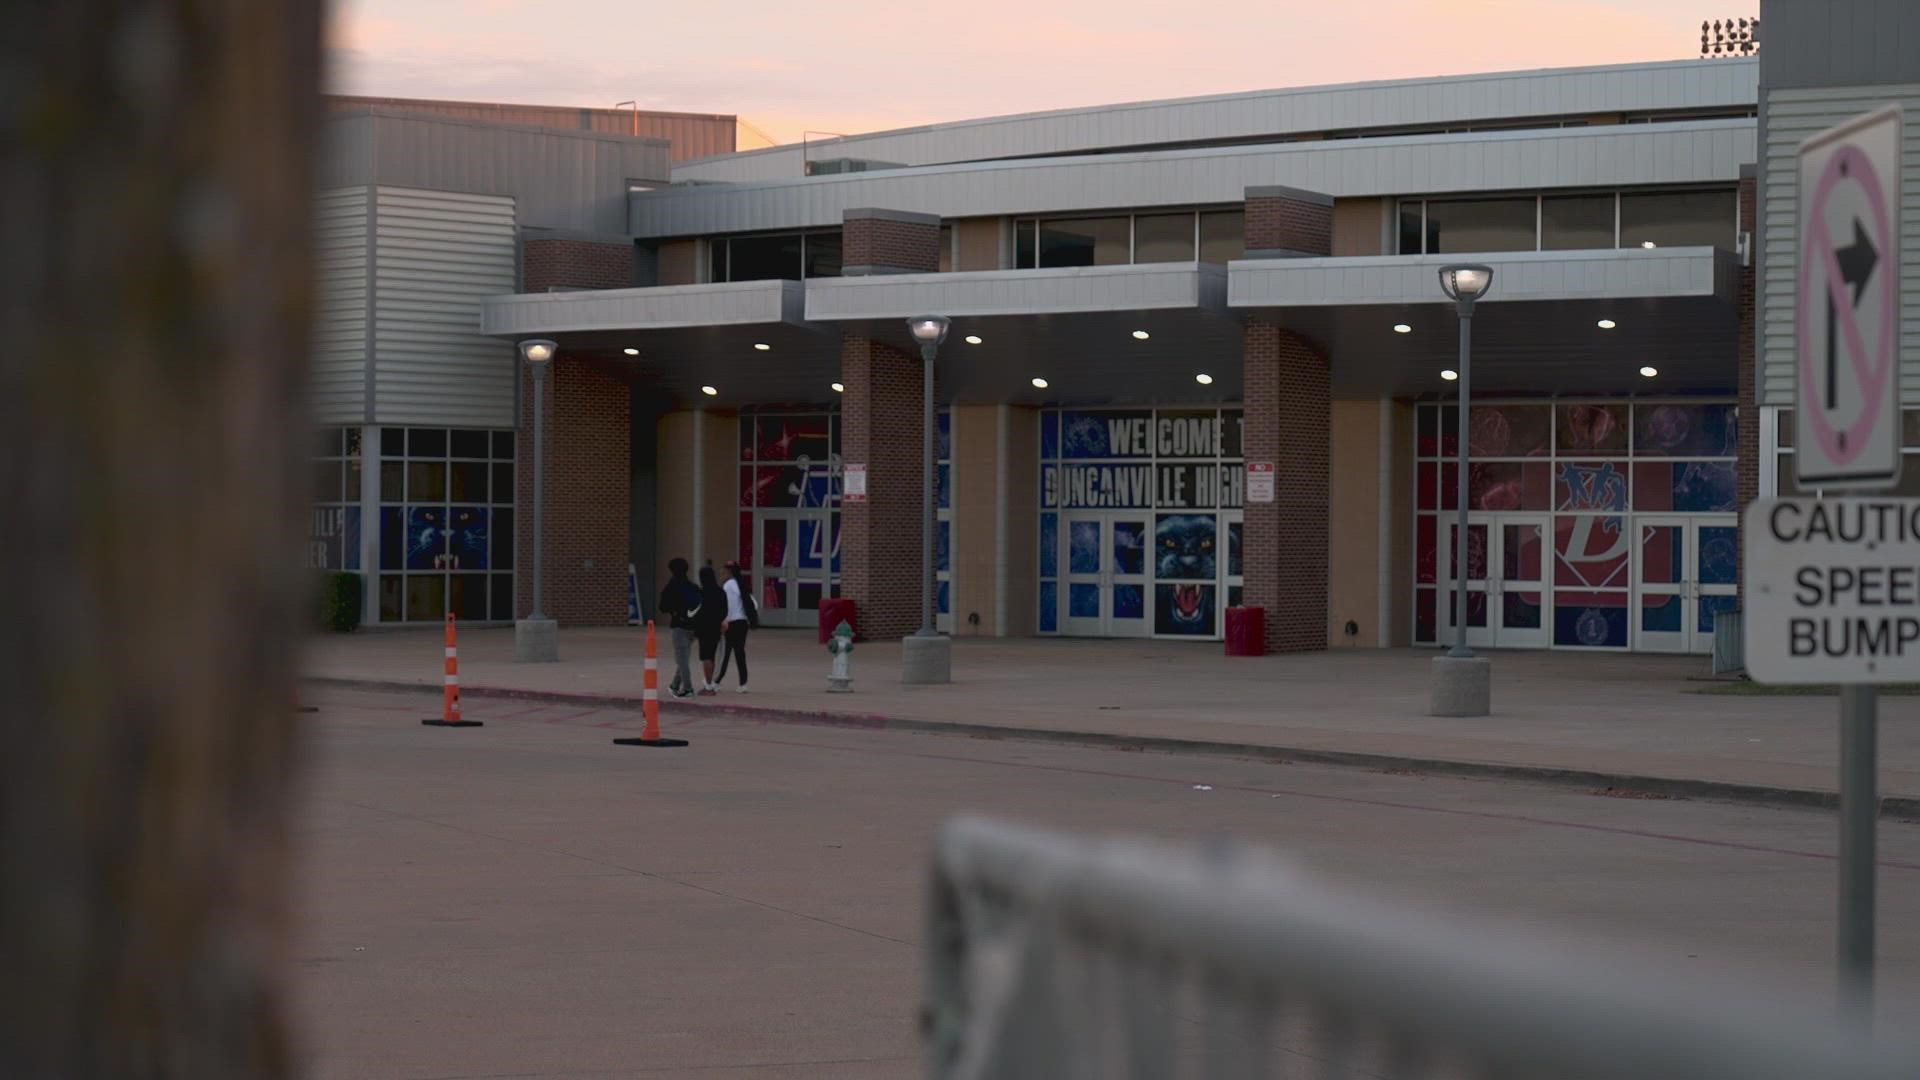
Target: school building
(1149,303)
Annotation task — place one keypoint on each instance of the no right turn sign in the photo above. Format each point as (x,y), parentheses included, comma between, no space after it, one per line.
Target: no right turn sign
(1847,306)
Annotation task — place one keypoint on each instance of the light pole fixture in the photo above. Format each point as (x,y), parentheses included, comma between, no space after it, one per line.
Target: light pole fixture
(928,331)
(1463,284)
(536,637)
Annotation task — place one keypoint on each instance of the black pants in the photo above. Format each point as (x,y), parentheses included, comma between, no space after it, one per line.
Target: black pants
(736,649)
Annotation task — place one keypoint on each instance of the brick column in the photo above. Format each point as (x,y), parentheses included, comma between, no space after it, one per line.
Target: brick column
(589,431)
(1747,467)
(549,262)
(881,429)
(1288,413)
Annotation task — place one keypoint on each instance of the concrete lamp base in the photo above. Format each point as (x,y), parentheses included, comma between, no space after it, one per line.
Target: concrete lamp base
(536,641)
(926,661)
(1462,686)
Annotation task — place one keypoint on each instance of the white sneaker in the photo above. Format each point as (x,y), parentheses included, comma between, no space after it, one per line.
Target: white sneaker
(743,688)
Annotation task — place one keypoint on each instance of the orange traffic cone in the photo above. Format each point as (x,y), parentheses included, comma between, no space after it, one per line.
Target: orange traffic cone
(650,701)
(450,689)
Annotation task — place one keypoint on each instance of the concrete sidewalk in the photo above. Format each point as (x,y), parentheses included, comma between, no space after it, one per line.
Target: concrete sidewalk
(1584,718)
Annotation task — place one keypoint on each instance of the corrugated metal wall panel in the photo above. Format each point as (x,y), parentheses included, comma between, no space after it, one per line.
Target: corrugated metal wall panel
(1792,116)
(693,135)
(1574,157)
(1467,99)
(438,256)
(338,373)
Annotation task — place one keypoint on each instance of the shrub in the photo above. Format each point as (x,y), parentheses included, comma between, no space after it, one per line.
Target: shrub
(339,602)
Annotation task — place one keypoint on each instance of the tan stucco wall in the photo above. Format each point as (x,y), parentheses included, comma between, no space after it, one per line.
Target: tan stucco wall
(1022,502)
(976,430)
(679,262)
(1401,513)
(1353,526)
(673,524)
(979,240)
(1359,226)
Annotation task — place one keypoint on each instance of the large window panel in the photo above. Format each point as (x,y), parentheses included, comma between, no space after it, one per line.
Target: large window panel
(1480,225)
(1412,212)
(763,258)
(1086,242)
(1576,222)
(823,254)
(1163,238)
(1223,235)
(1677,219)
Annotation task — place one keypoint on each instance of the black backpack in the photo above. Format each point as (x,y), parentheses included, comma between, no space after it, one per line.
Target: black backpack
(752,609)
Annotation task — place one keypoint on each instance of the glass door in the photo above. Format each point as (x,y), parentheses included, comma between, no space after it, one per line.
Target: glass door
(1085,539)
(1106,560)
(794,554)
(1687,570)
(1519,608)
(1479,583)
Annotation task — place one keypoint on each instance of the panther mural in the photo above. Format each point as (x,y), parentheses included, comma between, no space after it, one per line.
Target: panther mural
(1185,553)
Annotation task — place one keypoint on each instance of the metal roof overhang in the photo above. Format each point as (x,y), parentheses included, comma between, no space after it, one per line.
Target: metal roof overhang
(1537,331)
(1071,326)
(687,336)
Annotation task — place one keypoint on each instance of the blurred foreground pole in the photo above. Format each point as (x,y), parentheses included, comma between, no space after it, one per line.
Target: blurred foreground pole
(155,190)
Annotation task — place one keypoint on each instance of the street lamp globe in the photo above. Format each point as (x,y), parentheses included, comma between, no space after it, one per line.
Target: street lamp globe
(1465,283)
(538,350)
(928,329)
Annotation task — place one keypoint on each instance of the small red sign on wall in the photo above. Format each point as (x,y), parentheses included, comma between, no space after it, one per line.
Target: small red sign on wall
(853,483)
(1259,481)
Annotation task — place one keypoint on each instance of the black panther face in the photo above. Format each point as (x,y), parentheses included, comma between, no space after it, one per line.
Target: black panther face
(1184,550)
(1183,546)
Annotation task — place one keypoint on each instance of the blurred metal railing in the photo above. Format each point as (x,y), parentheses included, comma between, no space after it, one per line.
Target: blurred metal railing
(1055,958)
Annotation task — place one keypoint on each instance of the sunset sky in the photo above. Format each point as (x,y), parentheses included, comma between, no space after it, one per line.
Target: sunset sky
(789,66)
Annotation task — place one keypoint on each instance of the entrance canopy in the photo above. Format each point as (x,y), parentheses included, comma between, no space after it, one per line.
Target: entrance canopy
(1146,333)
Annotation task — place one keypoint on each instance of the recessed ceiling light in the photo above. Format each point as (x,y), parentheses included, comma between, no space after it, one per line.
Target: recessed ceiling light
(1648,244)
(1039,383)
(631,352)
(1402,328)
(1649,371)
(1606,324)
(762,346)
(973,339)
(1141,335)
(1449,374)
(1203,379)
(839,388)
(709,391)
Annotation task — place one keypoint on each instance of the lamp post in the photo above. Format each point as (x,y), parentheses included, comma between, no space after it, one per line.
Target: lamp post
(1463,689)
(926,656)
(536,638)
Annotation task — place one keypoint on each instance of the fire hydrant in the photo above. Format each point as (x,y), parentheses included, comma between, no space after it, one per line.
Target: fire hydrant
(840,679)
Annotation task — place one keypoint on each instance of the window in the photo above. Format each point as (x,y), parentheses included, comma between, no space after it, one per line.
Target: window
(333,536)
(446,524)
(1025,257)
(1163,238)
(1412,217)
(776,256)
(1480,225)
(1086,242)
(1677,219)
(946,249)
(1223,235)
(1576,222)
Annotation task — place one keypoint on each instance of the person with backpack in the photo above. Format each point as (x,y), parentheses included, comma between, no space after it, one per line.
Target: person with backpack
(679,605)
(742,614)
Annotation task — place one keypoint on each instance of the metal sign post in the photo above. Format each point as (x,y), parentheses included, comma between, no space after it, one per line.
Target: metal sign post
(1848,437)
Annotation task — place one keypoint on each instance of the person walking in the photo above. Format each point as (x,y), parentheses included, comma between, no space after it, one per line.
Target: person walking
(741,615)
(708,623)
(680,603)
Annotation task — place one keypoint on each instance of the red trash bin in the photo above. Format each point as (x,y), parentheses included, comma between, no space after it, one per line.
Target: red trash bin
(1246,631)
(832,611)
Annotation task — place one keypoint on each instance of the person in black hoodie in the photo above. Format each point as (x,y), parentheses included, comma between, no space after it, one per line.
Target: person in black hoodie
(706,625)
(679,604)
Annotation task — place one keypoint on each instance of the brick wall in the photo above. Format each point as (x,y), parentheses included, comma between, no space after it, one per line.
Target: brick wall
(1748,466)
(880,538)
(575,264)
(1288,405)
(1290,221)
(588,432)
(888,240)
